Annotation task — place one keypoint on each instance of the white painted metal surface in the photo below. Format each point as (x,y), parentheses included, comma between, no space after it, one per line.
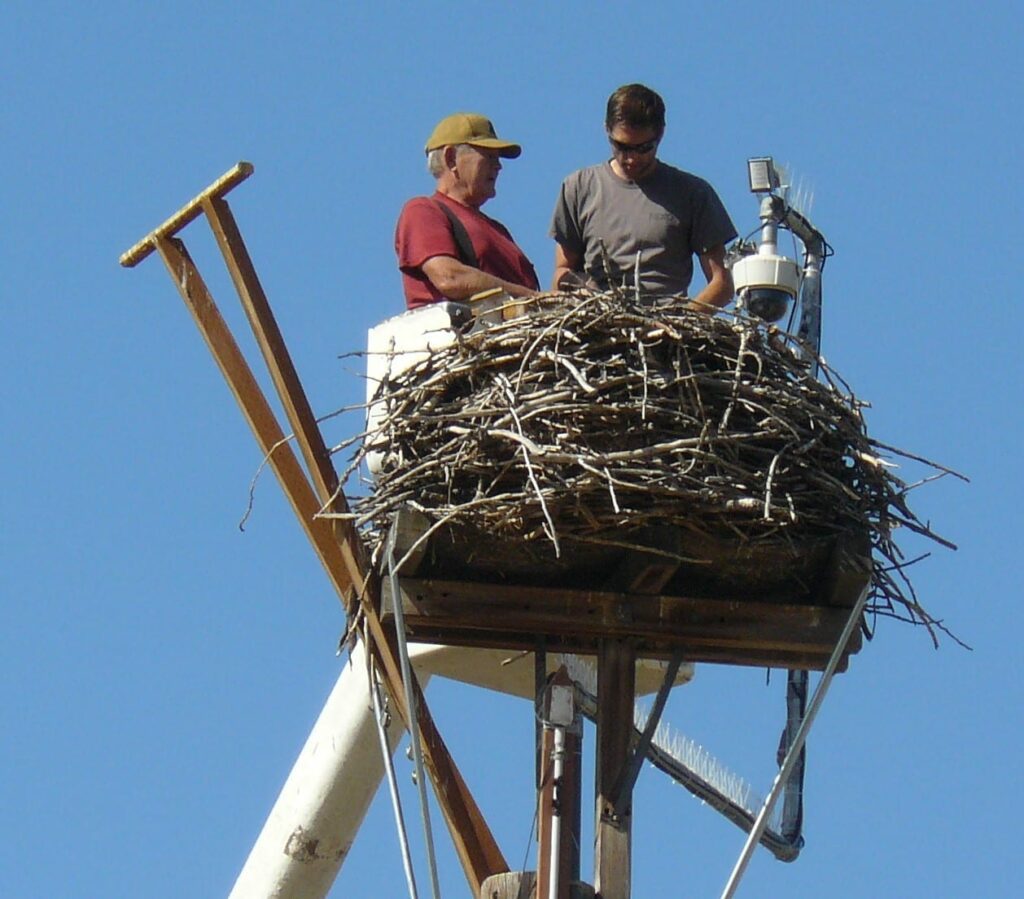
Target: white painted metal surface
(402,341)
(312,825)
(766,270)
(398,343)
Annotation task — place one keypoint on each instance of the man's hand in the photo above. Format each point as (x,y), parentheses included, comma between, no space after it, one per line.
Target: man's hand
(568,270)
(571,280)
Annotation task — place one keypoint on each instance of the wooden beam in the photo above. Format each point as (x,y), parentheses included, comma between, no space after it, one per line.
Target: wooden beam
(272,346)
(510,885)
(408,525)
(468,613)
(616,678)
(648,573)
(286,379)
(847,572)
(475,845)
(638,755)
(189,212)
(571,796)
(256,410)
(694,652)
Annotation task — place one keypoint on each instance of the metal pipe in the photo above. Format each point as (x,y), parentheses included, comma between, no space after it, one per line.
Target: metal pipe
(558,769)
(396,802)
(414,731)
(809,330)
(768,244)
(798,744)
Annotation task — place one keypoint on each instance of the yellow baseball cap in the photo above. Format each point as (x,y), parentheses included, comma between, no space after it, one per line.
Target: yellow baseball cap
(473,129)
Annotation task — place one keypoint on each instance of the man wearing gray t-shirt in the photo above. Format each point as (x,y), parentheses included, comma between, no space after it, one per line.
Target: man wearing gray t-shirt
(634,203)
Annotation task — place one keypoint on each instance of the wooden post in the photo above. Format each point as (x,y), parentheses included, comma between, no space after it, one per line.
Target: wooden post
(510,885)
(616,675)
(269,436)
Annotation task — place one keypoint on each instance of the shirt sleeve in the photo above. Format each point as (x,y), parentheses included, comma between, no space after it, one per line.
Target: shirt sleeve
(423,231)
(565,225)
(711,223)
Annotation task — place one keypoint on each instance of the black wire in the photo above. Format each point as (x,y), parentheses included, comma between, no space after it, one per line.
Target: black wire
(751,234)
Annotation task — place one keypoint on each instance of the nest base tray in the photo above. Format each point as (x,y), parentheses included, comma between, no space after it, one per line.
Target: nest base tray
(772,603)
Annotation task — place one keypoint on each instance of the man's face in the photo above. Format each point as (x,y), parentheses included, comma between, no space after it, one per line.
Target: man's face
(478,169)
(634,150)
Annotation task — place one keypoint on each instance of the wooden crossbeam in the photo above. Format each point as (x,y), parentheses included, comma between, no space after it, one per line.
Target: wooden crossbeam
(736,631)
(642,572)
(188,213)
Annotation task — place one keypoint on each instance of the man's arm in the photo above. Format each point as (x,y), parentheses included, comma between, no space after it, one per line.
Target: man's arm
(568,269)
(719,289)
(459,281)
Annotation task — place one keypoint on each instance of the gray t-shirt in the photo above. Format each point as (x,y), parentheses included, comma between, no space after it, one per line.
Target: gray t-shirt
(667,217)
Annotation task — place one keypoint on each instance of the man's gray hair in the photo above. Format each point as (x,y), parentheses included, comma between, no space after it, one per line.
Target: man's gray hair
(435,159)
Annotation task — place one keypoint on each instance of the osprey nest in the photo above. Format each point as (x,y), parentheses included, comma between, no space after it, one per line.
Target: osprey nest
(594,419)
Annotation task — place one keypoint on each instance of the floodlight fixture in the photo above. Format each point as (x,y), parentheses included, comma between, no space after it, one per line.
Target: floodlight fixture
(763,175)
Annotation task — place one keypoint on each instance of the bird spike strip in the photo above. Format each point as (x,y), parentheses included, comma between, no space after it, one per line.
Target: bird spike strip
(594,416)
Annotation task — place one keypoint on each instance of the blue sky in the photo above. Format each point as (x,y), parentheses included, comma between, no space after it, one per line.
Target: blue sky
(160,670)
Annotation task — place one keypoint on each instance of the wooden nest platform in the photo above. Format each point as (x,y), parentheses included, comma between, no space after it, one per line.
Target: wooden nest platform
(599,467)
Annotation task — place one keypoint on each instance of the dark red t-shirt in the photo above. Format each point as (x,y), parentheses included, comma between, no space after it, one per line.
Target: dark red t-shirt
(424,231)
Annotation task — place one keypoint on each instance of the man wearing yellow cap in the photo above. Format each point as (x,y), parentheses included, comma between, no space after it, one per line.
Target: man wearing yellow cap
(447,248)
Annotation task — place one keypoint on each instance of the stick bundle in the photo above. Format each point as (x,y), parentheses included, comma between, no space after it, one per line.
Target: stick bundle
(594,417)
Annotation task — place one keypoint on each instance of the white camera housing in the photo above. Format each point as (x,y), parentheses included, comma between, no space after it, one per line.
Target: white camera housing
(767,271)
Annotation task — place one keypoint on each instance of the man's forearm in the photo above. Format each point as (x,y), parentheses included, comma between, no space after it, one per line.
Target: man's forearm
(715,295)
(719,289)
(474,281)
(458,281)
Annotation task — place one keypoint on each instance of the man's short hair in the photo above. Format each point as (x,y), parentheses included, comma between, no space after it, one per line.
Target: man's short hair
(635,106)
(435,158)
(435,162)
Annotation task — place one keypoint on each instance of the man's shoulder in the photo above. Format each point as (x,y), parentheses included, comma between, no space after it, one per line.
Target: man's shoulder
(587,175)
(416,204)
(671,172)
(421,213)
(686,180)
(585,185)
(421,219)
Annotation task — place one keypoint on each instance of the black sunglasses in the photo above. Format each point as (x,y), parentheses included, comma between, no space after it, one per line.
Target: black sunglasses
(638,149)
